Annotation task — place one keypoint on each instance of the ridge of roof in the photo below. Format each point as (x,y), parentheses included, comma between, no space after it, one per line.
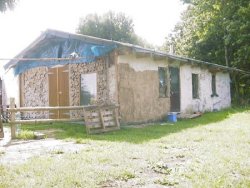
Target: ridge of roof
(177,57)
(97,40)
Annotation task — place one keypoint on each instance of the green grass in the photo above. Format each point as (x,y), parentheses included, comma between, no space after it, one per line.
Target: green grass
(210,151)
(130,134)
(26,135)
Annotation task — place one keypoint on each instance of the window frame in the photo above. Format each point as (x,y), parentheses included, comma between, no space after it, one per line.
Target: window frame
(213,85)
(91,79)
(164,90)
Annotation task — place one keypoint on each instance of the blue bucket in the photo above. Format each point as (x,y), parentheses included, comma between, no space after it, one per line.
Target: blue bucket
(172,117)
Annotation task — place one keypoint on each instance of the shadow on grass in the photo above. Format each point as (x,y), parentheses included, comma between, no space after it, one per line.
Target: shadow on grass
(133,134)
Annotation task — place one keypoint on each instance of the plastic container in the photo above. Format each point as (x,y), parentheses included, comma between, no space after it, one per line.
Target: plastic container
(172,117)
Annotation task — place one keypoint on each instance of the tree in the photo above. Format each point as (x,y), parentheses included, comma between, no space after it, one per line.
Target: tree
(7,4)
(110,26)
(217,31)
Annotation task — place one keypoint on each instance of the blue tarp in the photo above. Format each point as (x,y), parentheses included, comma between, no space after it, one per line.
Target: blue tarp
(55,47)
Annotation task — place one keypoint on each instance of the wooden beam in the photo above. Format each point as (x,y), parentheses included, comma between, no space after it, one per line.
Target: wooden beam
(25,109)
(157,57)
(124,51)
(170,60)
(141,54)
(31,121)
(101,118)
(116,116)
(214,69)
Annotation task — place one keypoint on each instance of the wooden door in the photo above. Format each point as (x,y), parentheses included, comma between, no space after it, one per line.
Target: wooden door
(174,89)
(59,91)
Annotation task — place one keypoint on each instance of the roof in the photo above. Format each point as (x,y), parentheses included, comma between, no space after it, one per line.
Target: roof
(98,42)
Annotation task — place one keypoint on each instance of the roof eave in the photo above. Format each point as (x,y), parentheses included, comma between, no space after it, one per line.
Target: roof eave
(13,62)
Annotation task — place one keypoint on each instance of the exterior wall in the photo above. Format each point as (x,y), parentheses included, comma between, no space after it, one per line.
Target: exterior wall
(205,101)
(35,87)
(138,87)
(133,83)
(35,91)
(103,92)
(112,84)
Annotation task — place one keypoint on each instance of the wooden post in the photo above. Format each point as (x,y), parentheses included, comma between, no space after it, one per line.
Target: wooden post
(116,118)
(1,125)
(86,120)
(12,118)
(101,118)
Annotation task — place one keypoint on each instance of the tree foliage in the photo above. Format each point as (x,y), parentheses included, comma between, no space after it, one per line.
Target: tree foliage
(217,31)
(112,26)
(7,4)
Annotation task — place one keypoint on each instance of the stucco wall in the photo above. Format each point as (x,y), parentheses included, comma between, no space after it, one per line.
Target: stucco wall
(205,101)
(138,88)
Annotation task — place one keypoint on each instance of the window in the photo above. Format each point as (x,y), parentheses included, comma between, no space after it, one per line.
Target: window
(195,86)
(213,85)
(88,92)
(163,81)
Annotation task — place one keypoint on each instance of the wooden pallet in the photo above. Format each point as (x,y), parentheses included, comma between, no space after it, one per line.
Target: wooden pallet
(99,119)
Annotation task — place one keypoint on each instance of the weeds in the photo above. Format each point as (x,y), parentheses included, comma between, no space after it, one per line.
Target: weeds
(58,151)
(26,135)
(166,182)
(126,175)
(162,168)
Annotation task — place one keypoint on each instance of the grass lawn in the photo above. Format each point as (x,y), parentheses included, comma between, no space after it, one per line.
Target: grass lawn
(210,151)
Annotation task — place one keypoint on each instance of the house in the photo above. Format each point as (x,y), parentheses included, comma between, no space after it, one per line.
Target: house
(64,69)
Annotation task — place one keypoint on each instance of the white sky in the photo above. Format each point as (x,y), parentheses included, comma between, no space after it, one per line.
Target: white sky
(153,20)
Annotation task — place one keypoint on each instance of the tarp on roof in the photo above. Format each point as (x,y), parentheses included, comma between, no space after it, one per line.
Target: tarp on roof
(54,44)
(56,47)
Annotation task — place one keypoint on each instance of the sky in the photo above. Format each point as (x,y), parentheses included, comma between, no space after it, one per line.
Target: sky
(153,19)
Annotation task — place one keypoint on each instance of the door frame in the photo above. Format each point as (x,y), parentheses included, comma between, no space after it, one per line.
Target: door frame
(179,87)
(58,114)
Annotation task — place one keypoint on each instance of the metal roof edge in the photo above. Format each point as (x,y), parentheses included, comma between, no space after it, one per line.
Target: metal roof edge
(66,35)
(187,59)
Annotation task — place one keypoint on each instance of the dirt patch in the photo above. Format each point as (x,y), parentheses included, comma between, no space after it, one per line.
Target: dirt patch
(50,133)
(19,151)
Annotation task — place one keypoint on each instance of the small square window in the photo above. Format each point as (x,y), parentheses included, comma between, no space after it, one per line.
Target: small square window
(195,86)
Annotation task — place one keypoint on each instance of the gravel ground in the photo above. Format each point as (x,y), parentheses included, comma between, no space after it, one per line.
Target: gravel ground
(19,151)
